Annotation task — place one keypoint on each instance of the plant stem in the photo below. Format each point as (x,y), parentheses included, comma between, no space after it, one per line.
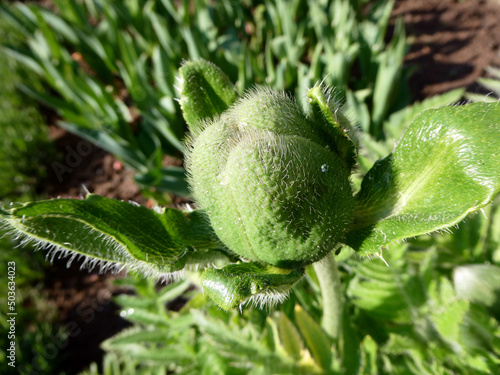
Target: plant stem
(329,283)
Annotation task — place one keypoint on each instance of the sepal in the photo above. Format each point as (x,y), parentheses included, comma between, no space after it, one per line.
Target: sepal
(205,92)
(238,283)
(330,120)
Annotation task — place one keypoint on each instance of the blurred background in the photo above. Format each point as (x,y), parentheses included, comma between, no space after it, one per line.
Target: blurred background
(88,98)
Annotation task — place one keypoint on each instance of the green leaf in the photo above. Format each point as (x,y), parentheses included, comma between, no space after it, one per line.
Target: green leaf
(492,84)
(399,121)
(290,337)
(205,91)
(316,340)
(59,25)
(244,347)
(137,335)
(236,283)
(447,312)
(171,354)
(134,302)
(446,166)
(386,292)
(113,231)
(388,77)
(172,291)
(351,346)
(369,356)
(478,283)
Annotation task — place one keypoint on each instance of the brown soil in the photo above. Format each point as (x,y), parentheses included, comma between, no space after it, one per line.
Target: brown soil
(86,310)
(84,299)
(453,41)
(97,171)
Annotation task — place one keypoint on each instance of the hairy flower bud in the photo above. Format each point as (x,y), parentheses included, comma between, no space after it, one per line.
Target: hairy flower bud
(273,186)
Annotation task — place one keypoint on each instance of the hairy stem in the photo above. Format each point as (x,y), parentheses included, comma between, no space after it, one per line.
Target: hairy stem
(329,282)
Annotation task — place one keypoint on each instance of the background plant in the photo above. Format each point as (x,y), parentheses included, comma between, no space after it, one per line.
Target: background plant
(111,65)
(409,320)
(26,152)
(492,85)
(24,137)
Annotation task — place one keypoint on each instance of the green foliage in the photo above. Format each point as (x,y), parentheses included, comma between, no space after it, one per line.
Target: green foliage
(116,365)
(403,319)
(36,326)
(479,283)
(416,319)
(315,338)
(491,84)
(24,140)
(111,65)
(25,151)
(407,192)
(295,166)
(406,316)
(201,339)
(434,309)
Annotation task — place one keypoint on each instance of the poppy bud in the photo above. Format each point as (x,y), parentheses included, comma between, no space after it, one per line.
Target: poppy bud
(270,181)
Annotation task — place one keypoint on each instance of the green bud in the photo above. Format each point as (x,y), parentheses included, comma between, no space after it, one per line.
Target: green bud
(274,187)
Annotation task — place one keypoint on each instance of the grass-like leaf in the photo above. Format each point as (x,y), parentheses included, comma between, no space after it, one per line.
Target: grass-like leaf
(290,337)
(315,338)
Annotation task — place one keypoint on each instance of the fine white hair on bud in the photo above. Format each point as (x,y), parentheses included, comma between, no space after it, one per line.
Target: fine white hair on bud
(271,180)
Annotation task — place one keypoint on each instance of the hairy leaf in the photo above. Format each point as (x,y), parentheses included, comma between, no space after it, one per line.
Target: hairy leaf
(113,231)
(236,283)
(446,166)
